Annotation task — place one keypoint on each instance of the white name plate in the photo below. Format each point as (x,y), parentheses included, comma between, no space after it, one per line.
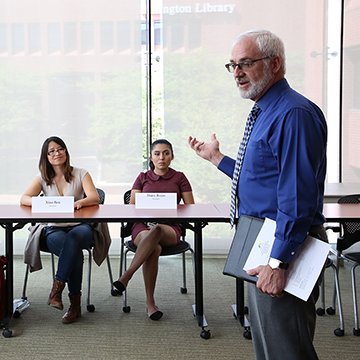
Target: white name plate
(155,201)
(52,204)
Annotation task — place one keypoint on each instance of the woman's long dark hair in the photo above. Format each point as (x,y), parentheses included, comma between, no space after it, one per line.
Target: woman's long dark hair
(156,142)
(46,169)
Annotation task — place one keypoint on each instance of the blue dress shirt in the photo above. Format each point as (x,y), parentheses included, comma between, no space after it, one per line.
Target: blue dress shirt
(284,168)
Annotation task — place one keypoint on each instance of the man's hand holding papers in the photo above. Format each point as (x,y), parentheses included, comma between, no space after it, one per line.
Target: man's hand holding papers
(270,281)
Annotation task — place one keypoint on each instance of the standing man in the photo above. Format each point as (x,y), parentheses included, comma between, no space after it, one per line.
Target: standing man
(279,174)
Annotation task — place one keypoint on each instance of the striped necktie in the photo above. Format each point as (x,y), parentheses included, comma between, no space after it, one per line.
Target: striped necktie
(239,160)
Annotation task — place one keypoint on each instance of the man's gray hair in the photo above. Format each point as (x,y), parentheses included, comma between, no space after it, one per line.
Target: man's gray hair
(269,44)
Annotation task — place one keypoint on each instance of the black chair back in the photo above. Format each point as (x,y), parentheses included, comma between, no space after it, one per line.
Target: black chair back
(125,230)
(127,196)
(101,196)
(351,229)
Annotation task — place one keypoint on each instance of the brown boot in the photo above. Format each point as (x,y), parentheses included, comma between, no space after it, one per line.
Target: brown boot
(55,295)
(74,311)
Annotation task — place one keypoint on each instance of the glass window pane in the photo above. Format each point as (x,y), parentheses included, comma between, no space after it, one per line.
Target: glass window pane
(331,103)
(177,35)
(123,36)
(107,36)
(54,38)
(18,38)
(98,103)
(69,89)
(351,95)
(87,38)
(70,37)
(199,96)
(3,38)
(157,32)
(34,38)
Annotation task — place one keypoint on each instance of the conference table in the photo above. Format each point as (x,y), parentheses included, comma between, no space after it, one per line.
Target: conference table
(14,217)
(341,212)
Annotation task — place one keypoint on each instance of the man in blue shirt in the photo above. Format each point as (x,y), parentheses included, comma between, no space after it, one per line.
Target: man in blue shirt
(282,178)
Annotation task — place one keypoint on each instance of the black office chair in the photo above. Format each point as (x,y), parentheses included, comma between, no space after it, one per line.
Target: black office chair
(126,246)
(44,248)
(336,295)
(349,234)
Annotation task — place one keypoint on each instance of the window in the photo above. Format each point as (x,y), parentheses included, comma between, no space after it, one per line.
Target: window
(18,38)
(70,37)
(123,36)
(3,38)
(87,37)
(54,38)
(157,33)
(194,35)
(34,38)
(177,35)
(106,36)
(143,33)
(350,160)
(99,103)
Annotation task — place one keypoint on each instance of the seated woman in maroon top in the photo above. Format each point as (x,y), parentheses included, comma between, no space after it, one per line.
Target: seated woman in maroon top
(150,240)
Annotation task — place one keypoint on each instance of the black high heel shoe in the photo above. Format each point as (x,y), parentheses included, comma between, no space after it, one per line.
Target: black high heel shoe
(157,315)
(119,286)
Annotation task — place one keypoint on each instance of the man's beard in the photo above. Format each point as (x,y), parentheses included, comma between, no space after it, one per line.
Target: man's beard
(256,87)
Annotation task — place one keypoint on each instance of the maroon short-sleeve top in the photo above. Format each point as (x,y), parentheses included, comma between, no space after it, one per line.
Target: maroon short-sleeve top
(172,182)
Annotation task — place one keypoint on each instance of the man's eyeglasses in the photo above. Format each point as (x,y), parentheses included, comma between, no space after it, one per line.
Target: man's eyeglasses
(53,152)
(244,65)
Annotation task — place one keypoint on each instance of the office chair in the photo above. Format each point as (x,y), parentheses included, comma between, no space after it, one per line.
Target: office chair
(126,246)
(349,234)
(336,294)
(44,248)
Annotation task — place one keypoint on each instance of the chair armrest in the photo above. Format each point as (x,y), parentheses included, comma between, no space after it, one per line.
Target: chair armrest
(187,226)
(333,228)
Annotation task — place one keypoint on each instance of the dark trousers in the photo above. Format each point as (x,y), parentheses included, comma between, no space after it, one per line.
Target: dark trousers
(284,328)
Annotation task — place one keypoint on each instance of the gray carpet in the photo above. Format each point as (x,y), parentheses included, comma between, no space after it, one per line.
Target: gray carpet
(109,333)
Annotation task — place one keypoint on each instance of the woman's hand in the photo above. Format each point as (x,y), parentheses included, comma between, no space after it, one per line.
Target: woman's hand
(78,204)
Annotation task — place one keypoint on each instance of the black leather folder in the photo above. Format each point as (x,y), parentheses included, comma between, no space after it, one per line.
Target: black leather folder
(247,230)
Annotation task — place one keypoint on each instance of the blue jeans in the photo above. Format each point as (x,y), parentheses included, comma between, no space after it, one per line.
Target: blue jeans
(68,244)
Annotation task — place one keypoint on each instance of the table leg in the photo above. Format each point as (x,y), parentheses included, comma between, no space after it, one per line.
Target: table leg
(9,252)
(240,303)
(199,309)
(199,298)
(239,310)
(9,279)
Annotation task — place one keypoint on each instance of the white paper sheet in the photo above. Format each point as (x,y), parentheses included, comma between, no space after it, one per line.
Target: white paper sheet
(260,252)
(304,269)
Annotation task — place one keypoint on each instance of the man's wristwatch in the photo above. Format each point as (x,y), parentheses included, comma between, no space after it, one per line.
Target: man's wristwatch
(278,264)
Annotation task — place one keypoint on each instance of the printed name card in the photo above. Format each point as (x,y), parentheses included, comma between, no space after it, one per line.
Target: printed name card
(155,201)
(52,204)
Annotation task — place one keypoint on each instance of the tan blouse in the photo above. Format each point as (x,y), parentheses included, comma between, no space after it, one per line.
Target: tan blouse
(74,188)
